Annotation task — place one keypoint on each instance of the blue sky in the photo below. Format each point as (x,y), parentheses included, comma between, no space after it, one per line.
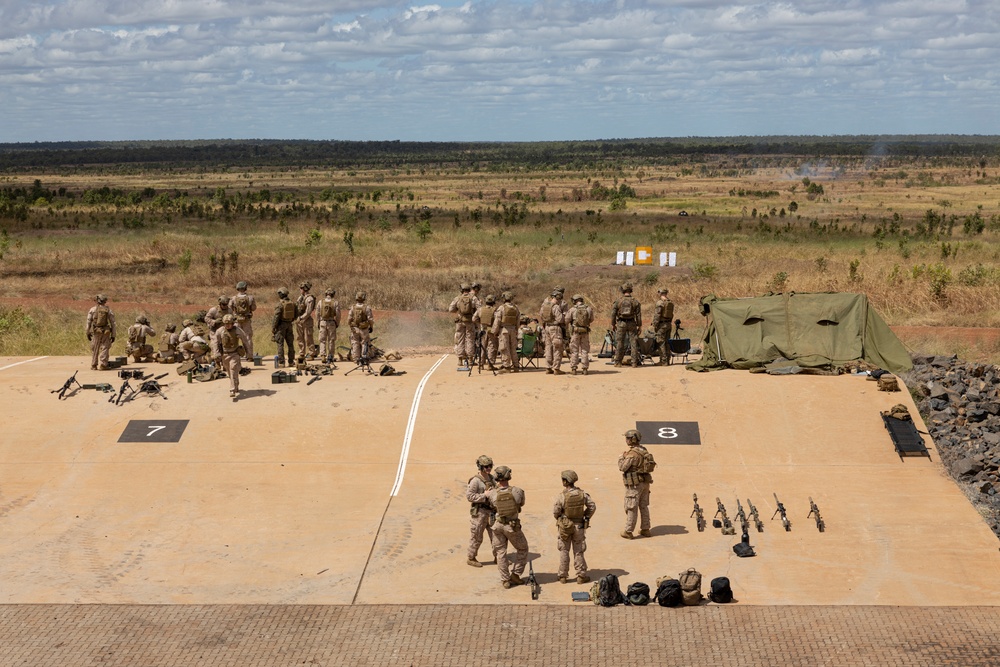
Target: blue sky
(506,71)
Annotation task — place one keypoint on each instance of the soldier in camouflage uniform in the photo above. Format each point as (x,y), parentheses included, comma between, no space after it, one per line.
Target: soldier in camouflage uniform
(663,315)
(243,306)
(168,352)
(213,318)
(282,325)
(464,308)
(304,324)
(636,464)
(505,321)
(572,509)
(100,333)
(552,318)
(361,320)
(136,340)
(228,345)
(578,321)
(626,320)
(481,514)
(507,502)
(328,310)
(193,341)
(482,322)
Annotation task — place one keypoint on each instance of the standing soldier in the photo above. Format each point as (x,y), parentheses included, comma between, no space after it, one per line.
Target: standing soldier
(483,324)
(464,307)
(100,333)
(213,318)
(476,301)
(281,327)
(192,342)
(663,316)
(360,319)
(480,512)
(572,510)
(552,318)
(329,320)
(507,502)
(136,344)
(636,464)
(168,352)
(578,322)
(304,323)
(505,321)
(228,345)
(242,306)
(626,319)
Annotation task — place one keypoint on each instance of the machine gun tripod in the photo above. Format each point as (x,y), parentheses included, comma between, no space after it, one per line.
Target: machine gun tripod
(364,361)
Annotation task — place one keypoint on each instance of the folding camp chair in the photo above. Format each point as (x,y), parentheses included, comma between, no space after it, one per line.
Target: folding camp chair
(679,349)
(526,355)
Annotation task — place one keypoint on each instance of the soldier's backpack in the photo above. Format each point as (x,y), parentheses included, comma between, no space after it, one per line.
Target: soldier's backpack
(198,329)
(289,311)
(102,317)
(241,305)
(327,309)
(133,334)
(721,592)
(626,309)
(668,593)
(581,319)
(545,312)
(690,582)
(638,594)
(466,307)
(609,592)
(358,316)
(647,465)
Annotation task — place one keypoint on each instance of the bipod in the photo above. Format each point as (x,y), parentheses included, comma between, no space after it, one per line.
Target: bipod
(66,386)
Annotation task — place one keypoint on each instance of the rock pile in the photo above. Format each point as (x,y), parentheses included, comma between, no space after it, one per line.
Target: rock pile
(960,403)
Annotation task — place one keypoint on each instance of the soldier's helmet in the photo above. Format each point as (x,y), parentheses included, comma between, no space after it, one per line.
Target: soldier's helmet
(228,319)
(577,297)
(187,322)
(633,436)
(490,299)
(555,293)
(361,296)
(223,300)
(663,290)
(330,291)
(142,319)
(170,328)
(502,472)
(241,285)
(561,290)
(282,292)
(465,287)
(524,319)
(569,476)
(101,298)
(507,296)
(476,286)
(626,287)
(306,286)
(484,461)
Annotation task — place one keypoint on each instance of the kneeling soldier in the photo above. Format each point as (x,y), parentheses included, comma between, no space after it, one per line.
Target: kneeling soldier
(507,502)
(572,510)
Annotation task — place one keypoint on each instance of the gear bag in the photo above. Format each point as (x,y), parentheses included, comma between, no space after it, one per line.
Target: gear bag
(545,315)
(466,307)
(581,319)
(510,316)
(690,586)
(638,594)
(668,593)
(609,592)
(134,334)
(721,592)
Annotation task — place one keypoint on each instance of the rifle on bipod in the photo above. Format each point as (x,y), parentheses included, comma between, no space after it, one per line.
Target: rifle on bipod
(727,525)
(66,386)
(756,517)
(533,582)
(121,393)
(814,511)
(698,512)
(741,516)
(784,515)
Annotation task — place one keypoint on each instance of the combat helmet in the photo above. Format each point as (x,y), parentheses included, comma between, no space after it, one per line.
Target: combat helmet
(626,287)
(484,461)
(170,328)
(330,291)
(306,286)
(361,296)
(241,285)
(283,292)
(490,299)
(223,300)
(465,287)
(502,472)
(569,476)
(663,290)
(507,296)
(101,298)
(187,322)
(228,319)
(577,297)
(556,294)
(142,319)
(633,435)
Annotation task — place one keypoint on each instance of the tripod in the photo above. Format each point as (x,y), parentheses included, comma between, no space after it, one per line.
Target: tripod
(364,362)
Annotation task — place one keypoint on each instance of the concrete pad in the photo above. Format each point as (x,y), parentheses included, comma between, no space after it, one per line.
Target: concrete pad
(286,496)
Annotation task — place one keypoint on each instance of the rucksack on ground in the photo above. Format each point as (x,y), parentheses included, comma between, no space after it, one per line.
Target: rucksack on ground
(610,592)
(668,593)
(690,586)
(720,591)
(638,594)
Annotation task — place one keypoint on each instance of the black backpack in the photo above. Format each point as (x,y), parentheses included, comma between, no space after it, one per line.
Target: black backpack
(610,592)
(668,593)
(721,592)
(638,594)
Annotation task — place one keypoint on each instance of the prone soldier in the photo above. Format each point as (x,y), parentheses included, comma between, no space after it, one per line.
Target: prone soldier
(663,317)
(626,319)
(572,509)
(228,345)
(480,511)
(100,333)
(329,319)
(578,321)
(505,321)
(306,304)
(243,306)
(281,327)
(636,464)
(507,502)
(136,345)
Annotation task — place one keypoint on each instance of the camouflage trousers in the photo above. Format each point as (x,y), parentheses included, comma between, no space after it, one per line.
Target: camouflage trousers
(100,349)
(637,506)
(247,326)
(284,337)
(579,350)
(304,335)
(663,344)
(578,542)
(507,341)
(359,338)
(327,338)
(553,347)
(465,340)
(631,331)
(479,523)
(231,362)
(502,535)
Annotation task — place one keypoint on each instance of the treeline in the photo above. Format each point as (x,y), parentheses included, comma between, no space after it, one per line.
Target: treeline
(491,156)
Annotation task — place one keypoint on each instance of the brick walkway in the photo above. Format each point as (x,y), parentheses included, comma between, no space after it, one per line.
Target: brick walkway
(249,635)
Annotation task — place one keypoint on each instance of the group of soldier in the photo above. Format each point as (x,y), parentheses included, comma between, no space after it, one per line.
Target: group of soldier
(495,506)
(485,330)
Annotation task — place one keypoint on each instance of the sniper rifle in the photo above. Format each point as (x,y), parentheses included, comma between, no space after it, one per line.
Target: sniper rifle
(814,511)
(742,517)
(533,582)
(784,515)
(756,517)
(698,512)
(727,525)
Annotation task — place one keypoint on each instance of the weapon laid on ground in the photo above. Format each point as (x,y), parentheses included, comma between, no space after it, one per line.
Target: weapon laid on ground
(698,512)
(121,392)
(784,515)
(814,511)
(100,386)
(727,525)
(533,583)
(66,385)
(742,517)
(314,379)
(756,517)
(151,387)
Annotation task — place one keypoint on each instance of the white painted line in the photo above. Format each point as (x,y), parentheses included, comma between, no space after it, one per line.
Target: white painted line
(409,428)
(26,361)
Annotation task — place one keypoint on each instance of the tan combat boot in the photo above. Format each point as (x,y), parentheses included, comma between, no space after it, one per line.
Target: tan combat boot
(644,533)
(627,534)
(582,579)
(515,579)
(474,563)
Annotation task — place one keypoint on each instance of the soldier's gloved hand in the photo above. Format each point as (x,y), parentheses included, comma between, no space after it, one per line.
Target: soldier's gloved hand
(112,339)
(371,328)
(90,336)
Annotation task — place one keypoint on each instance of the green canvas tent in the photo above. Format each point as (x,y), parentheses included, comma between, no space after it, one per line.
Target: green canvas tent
(814,330)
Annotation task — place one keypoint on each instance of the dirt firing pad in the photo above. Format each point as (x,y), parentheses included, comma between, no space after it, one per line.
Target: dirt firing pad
(286,495)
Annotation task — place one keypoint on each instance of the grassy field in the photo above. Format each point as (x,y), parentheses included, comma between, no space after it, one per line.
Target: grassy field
(919,237)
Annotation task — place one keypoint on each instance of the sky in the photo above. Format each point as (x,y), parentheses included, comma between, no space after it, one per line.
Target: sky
(517,70)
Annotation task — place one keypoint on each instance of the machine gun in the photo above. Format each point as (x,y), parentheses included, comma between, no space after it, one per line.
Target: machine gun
(364,362)
(814,511)
(742,517)
(756,517)
(698,512)
(117,400)
(784,515)
(533,582)
(727,525)
(66,386)
(608,346)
